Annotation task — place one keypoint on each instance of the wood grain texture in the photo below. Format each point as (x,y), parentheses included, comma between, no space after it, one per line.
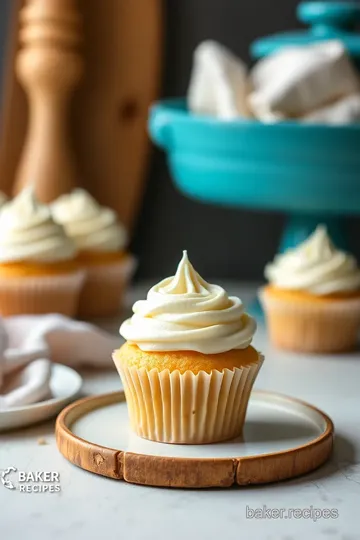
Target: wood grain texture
(121,50)
(122,54)
(89,456)
(48,66)
(14,111)
(185,472)
(178,472)
(285,465)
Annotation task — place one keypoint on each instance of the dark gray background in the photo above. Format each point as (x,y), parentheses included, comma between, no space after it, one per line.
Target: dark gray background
(221,242)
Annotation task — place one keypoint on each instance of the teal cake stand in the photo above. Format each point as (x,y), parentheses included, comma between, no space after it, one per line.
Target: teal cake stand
(310,172)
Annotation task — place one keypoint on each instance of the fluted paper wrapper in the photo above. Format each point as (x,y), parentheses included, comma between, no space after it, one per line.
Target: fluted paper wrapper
(41,294)
(317,327)
(187,408)
(104,288)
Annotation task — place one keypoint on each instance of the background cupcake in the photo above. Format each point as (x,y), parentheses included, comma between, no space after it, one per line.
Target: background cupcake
(38,272)
(101,241)
(188,367)
(312,302)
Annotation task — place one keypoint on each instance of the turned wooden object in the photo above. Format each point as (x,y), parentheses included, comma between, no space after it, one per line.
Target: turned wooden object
(48,66)
(122,52)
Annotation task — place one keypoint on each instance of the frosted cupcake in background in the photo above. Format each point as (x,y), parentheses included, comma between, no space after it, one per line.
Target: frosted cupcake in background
(188,366)
(38,271)
(312,302)
(101,241)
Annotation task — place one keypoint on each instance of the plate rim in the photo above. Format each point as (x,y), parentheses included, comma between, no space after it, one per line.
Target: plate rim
(155,470)
(52,400)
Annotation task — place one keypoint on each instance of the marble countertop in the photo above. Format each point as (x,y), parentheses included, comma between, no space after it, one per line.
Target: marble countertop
(89,506)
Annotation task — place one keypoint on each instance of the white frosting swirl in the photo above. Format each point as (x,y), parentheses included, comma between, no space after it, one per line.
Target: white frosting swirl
(28,232)
(184,312)
(315,266)
(91,226)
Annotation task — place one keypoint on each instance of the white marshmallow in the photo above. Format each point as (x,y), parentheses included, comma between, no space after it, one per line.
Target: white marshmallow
(218,85)
(297,80)
(342,112)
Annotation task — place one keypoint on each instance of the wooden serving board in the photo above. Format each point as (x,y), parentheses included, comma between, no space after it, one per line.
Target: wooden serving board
(283,438)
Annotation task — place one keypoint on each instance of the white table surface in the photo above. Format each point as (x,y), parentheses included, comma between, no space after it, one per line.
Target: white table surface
(89,506)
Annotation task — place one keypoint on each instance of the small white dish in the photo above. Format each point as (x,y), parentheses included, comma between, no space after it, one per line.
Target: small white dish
(65,384)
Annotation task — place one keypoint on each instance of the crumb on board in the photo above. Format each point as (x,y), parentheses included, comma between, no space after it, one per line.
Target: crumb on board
(41,441)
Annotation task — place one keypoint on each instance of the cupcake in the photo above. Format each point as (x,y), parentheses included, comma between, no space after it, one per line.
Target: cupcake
(38,272)
(312,302)
(187,366)
(101,241)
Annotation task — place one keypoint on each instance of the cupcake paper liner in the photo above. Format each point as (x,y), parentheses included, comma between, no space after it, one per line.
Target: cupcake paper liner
(188,408)
(104,288)
(312,327)
(41,294)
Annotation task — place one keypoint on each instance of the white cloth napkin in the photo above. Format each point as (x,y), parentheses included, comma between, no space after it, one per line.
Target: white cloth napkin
(27,385)
(28,345)
(299,80)
(218,84)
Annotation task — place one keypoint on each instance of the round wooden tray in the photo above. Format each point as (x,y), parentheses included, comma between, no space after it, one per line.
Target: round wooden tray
(283,438)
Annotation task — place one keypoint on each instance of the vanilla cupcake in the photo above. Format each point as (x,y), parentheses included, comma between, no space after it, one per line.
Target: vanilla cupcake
(312,302)
(38,272)
(101,241)
(188,366)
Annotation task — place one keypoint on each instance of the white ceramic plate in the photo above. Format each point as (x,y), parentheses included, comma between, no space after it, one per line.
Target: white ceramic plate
(65,384)
(274,423)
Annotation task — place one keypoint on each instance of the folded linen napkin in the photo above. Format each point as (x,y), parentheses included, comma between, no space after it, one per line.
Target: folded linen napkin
(28,345)
(27,385)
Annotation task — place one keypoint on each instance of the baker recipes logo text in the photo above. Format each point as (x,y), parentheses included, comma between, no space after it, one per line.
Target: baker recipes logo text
(30,481)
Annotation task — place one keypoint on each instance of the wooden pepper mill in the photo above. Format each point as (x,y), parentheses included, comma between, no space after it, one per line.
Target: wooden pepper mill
(48,66)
